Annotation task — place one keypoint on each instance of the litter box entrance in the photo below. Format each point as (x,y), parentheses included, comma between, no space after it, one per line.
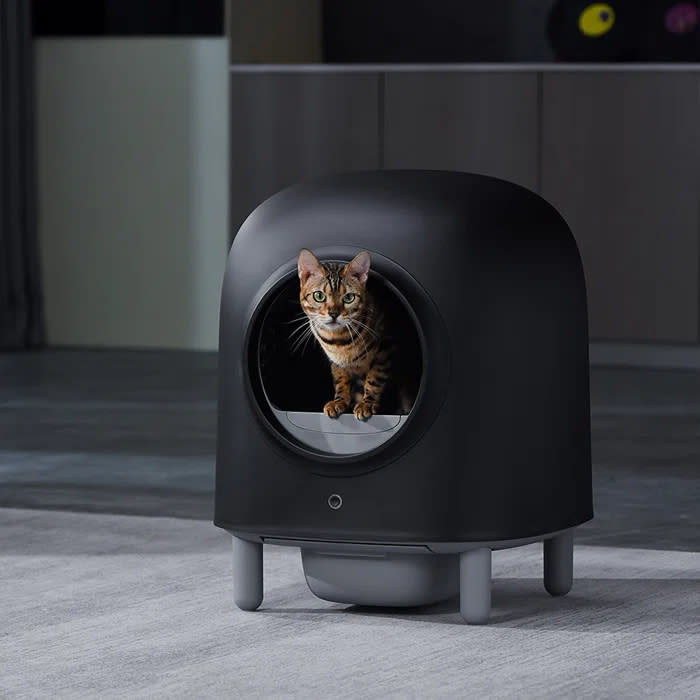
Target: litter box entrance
(295,379)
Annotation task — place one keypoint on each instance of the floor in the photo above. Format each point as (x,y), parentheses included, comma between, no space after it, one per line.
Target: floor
(110,431)
(113,580)
(113,606)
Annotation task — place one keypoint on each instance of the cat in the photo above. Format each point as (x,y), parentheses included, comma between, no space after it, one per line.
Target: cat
(350,326)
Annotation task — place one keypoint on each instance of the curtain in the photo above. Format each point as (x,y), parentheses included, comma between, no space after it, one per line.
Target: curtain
(21,308)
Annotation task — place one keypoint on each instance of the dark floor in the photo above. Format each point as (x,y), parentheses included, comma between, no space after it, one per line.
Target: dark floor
(134,432)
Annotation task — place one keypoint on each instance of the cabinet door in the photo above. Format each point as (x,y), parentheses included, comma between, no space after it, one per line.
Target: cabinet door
(483,122)
(621,162)
(287,127)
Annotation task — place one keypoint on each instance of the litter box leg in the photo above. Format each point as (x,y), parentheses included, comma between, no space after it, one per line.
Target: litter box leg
(559,563)
(247,573)
(475,585)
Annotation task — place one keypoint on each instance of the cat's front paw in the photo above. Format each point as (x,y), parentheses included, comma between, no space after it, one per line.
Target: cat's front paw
(334,408)
(364,409)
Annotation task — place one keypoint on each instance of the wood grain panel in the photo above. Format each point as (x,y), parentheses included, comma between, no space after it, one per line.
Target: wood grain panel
(621,161)
(287,127)
(478,122)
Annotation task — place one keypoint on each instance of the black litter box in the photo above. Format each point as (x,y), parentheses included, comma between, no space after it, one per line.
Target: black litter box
(485,282)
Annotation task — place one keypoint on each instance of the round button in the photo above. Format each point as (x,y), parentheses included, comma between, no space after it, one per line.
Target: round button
(335,501)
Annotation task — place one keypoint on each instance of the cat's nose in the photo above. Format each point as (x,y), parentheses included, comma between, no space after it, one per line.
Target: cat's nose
(334,314)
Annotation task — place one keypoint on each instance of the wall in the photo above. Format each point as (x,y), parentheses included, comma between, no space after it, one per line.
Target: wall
(133,159)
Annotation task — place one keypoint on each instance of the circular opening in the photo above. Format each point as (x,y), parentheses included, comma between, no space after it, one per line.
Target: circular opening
(335,501)
(298,390)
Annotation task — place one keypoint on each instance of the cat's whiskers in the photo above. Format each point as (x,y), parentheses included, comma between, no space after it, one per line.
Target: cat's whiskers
(314,323)
(302,345)
(297,344)
(365,326)
(349,329)
(306,342)
(307,332)
(301,327)
(300,339)
(359,335)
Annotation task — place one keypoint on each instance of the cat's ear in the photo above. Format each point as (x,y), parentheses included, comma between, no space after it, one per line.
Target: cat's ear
(308,265)
(358,267)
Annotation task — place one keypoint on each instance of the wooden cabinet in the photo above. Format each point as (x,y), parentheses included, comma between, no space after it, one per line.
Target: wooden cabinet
(616,151)
(483,122)
(621,162)
(286,127)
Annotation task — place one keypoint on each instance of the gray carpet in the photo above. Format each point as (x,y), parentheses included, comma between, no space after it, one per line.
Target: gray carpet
(96,605)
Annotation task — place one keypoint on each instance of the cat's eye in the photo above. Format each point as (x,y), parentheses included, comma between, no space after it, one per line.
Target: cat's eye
(319,297)
(349,298)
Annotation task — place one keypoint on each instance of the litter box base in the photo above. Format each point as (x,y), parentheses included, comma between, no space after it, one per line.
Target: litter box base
(399,575)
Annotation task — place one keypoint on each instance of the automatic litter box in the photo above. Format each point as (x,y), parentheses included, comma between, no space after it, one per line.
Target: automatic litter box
(405,509)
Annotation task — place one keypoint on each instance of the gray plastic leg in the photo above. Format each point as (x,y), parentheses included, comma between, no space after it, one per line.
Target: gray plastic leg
(475,585)
(559,563)
(247,574)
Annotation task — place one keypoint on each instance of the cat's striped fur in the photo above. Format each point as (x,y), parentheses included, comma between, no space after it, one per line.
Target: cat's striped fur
(349,325)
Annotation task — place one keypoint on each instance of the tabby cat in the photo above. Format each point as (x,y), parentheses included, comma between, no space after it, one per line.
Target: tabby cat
(350,326)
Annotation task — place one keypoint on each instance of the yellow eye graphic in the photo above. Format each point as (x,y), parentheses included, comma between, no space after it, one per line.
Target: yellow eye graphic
(319,297)
(596,19)
(349,298)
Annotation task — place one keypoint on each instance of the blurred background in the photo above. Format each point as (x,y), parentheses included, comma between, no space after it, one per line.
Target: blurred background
(137,136)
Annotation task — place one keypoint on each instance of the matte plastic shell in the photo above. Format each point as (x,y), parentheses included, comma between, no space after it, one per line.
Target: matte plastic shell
(498,444)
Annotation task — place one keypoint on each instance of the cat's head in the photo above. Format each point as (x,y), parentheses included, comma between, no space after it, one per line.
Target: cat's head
(332,295)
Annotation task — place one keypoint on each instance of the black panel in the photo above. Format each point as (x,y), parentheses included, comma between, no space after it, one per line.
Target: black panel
(128,18)
(652,31)
(458,31)
(415,31)
(669,31)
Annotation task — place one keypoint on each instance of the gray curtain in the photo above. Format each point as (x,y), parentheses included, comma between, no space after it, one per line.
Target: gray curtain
(21,309)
